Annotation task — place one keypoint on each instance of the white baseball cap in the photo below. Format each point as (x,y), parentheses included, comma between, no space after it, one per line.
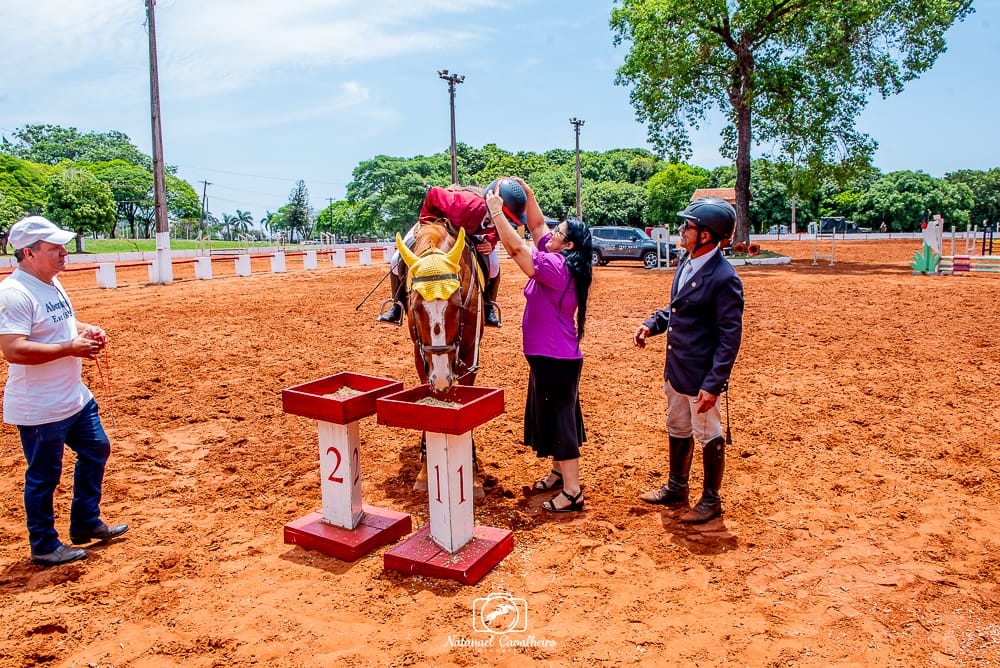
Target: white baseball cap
(36,228)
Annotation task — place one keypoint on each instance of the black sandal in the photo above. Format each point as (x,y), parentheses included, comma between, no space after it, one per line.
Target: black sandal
(542,486)
(575,503)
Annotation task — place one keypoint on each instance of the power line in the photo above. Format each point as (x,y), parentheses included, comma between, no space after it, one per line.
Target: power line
(261,176)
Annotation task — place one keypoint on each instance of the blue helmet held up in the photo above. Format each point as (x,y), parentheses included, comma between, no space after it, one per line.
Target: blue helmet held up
(515,200)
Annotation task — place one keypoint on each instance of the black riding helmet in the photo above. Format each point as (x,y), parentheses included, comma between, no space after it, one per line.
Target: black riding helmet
(515,201)
(713,214)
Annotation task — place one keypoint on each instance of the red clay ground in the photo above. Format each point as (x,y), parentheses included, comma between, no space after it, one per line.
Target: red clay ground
(861,494)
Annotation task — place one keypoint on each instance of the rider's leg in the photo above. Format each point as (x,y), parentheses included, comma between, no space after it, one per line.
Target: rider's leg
(492,312)
(395,312)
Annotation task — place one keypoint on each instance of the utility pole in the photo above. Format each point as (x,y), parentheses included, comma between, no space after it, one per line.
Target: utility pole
(453,80)
(330,200)
(204,204)
(164,269)
(576,123)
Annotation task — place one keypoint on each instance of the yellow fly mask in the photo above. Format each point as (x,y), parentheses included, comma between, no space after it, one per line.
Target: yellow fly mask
(434,274)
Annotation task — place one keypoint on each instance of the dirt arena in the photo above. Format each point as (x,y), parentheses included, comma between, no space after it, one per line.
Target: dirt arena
(862,508)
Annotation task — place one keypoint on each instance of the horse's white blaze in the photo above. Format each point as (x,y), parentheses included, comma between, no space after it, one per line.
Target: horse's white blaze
(440,371)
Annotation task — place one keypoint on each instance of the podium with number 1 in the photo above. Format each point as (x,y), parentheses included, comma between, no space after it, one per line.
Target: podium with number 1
(451,546)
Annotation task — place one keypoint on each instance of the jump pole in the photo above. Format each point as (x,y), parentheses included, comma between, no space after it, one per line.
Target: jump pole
(345,528)
(451,546)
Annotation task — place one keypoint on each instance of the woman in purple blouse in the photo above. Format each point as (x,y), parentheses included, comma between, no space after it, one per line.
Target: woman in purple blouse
(559,270)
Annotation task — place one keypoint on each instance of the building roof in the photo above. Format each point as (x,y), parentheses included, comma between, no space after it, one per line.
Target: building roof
(727,194)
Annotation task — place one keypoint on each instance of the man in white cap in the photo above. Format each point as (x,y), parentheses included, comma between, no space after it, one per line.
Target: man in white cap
(45,397)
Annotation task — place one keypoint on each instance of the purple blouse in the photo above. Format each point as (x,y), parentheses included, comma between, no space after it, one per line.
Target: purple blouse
(548,327)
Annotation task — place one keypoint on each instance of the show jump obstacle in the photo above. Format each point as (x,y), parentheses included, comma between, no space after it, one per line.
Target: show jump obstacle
(345,528)
(931,260)
(451,546)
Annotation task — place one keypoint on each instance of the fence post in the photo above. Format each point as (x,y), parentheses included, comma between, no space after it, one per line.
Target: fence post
(106,277)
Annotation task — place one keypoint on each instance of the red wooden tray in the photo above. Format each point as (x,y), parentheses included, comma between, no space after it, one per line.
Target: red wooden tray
(477,405)
(308,401)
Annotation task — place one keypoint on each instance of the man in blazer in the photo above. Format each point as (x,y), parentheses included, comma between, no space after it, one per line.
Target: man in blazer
(704,327)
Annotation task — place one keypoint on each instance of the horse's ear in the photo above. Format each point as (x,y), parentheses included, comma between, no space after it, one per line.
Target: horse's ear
(408,256)
(455,254)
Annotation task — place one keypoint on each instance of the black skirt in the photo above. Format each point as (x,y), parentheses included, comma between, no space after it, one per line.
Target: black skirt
(553,421)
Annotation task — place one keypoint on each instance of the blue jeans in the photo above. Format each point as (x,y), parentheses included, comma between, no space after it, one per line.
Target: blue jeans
(43,449)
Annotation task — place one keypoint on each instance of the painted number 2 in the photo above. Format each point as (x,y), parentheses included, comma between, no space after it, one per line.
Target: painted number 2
(333,474)
(355,460)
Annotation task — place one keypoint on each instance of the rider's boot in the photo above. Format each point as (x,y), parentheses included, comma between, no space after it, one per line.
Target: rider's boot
(395,313)
(492,314)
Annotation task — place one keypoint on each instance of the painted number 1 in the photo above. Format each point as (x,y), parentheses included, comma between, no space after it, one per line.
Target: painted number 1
(461,483)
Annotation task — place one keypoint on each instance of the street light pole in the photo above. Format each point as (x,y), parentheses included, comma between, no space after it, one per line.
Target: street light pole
(453,80)
(576,123)
(164,268)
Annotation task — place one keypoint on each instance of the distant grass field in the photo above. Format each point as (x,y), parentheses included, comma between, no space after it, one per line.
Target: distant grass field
(94,246)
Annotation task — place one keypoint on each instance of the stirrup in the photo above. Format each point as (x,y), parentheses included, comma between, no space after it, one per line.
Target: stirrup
(386,308)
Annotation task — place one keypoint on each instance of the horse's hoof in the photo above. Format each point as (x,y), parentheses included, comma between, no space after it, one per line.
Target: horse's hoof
(420,484)
(477,489)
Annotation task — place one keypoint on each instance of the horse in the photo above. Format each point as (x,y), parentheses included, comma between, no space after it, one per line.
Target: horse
(445,309)
(445,312)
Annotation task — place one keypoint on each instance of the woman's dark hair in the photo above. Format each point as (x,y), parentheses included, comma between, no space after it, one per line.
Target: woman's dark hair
(579,263)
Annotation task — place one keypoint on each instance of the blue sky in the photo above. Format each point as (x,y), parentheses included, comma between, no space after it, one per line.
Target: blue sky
(257,94)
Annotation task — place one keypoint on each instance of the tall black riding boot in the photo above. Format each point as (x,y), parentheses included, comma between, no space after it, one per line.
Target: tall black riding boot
(492,315)
(710,505)
(395,312)
(676,489)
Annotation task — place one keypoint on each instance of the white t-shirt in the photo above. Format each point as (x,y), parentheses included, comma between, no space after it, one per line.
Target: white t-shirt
(40,393)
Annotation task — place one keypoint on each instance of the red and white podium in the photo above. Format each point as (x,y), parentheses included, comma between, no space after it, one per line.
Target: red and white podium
(451,546)
(345,528)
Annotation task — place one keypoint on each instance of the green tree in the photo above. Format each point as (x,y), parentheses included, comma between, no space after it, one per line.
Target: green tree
(298,217)
(183,204)
(902,199)
(762,58)
(985,187)
(347,221)
(79,201)
(132,189)
(23,182)
(669,190)
(555,189)
(389,191)
(243,223)
(228,226)
(10,212)
(51,144)
(614,203)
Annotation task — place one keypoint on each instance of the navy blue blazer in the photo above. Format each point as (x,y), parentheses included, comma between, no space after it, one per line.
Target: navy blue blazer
(704,327)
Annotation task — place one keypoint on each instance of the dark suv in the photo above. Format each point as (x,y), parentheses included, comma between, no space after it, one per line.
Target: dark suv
(629,243)
(831,224)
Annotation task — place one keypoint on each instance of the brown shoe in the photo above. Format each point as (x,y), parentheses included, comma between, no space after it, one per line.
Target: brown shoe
(665,496)
(702,512)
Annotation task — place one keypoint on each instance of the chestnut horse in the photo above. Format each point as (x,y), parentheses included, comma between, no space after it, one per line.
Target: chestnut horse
(445,306)
(445,313)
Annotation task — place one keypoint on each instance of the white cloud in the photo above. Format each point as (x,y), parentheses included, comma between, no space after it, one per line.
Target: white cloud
(222,46)
(229,45)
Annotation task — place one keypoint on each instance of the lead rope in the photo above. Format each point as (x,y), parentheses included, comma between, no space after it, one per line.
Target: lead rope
(106,381)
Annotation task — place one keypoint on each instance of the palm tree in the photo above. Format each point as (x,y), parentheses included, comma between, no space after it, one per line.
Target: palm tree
(243,221)
(265,223)
(228,226)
